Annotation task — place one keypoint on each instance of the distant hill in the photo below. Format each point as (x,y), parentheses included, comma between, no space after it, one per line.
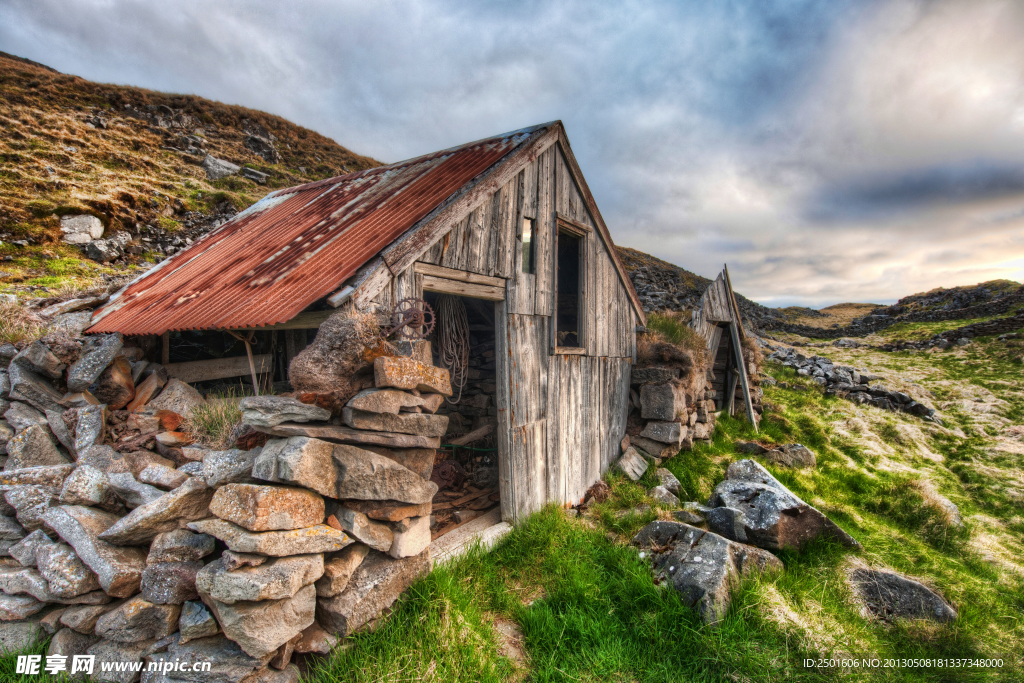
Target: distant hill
(133,158)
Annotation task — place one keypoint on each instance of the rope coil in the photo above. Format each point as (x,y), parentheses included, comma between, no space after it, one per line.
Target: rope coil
(453,342)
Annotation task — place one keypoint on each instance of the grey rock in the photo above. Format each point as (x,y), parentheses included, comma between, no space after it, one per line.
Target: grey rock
(229,467)
(422,424)
(253,174)
(55,421)
(138,619)
(270,411)
(80,229)
(230,664)
(189,501)
(668,480)
(83,618)
(32,447)
(663,496)
(793,455)
(27,581)
(377,535)
(280,577)
(656,375)
(393,401)
(339,568)
(170,583)
(30,502)
(233,560)
(72,305)
(632,464)
(703,567)
(671,433)
(65,574)
(196,622)
(263,147)
(6,432)
(889,595)
(163,477)
(177,397)
(192,469)
(340,471)
(20,416)
(118,569)
(728,522)
(260,628)
(38,358)
(89,486)
(317,539)
(665,402)
(14,608)
(18,635)
(25,550)
(133,493)
(656,449)
(412,538)
(89,427)
(110,651)
(106,250)
(70,643)
(373,587)
(268,508)
(98,352)
(218,168)
(179,545)
(73,324)
(775,518)
(750,448)
(687,517)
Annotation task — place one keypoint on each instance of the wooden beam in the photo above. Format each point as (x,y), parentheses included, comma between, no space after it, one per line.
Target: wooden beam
(569,351)
(573,227)
(218,368)
(165,348)
(420,237)
(446,286)
(474,435)
(308,320)
(732,300)
(460,275)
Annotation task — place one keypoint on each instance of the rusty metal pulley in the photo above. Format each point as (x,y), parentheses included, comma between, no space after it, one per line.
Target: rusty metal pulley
(412,319)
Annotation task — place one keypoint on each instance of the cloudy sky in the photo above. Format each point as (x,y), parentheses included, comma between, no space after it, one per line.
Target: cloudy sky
(828,151)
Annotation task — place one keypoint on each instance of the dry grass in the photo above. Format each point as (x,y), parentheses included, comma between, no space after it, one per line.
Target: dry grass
(841,314)
(53,162)
(19,325)
(213,423)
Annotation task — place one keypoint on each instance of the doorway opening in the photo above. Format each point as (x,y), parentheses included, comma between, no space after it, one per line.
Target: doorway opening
(466,465)
(725,383)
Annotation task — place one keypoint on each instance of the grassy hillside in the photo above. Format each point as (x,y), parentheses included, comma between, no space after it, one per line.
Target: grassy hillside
(131,157)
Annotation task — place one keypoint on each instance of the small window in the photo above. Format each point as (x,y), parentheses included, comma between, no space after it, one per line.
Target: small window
(569,290)
(528,256)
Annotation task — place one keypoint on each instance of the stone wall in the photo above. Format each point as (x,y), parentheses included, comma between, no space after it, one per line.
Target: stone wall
(123,540)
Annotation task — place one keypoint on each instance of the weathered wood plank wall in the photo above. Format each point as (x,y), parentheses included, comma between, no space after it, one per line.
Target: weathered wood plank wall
(561,417)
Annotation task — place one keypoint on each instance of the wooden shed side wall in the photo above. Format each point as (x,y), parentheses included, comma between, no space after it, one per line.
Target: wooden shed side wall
(560,417)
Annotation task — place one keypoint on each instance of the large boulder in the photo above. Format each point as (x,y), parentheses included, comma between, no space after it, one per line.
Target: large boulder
(404,423)
(372,588)
(334,362)
(218,168)
(261,627)
(33,447)
(177,397)
(98,352)
(189,501)
(340,471)
(338,570)
(406,373)
(888,595)
(665,402)
(229,467)
(279,577)
(703,567)
(773,518)
(80,229)
(138,619)
(394,401)
(118,569)
(227,662)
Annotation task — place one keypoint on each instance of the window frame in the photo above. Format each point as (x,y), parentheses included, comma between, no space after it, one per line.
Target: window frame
(582,232)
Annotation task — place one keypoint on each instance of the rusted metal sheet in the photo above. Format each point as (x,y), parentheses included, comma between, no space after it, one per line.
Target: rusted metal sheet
(295,246)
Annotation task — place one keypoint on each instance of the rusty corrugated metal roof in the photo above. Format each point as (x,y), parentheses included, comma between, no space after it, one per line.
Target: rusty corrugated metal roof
(296,245)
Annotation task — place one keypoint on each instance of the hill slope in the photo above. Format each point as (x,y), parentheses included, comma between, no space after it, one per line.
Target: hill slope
(133,158)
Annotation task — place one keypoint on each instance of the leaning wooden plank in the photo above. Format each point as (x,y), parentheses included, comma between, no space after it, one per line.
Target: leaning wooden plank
(485,530)
(742,371)
(460,275)
(446,286)
(353,436)
(218,368)
(421,236)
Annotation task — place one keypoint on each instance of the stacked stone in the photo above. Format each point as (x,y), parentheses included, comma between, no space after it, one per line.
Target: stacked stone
(670,422)
(374,477)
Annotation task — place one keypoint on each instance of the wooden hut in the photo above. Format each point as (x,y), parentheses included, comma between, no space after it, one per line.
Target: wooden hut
(508,223)
(717,319)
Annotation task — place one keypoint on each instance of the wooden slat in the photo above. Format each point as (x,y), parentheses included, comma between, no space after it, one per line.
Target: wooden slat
(218,368)
(572,226)
(556,431)
(502,398)
(446,286)
(545,235)
(505,228)
(460,275)
(520,286)
(742,371)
